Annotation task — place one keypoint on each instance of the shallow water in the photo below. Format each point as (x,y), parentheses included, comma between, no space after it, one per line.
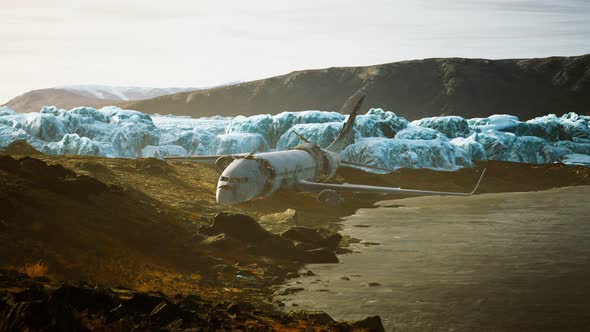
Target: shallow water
(513,261)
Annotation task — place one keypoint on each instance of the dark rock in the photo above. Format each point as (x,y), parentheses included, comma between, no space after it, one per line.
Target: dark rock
(372,324)
(291,275)
(320,255)
(309,273)
(9,164)
(80,186)
(319,237)
(222,241)
(153,166)
(237,226)
(318,317)
(20,147)
(27,315)
(81,298)
(345,278)
(164,313)
(238,307)
(140,303)
(374,284)
(290,290)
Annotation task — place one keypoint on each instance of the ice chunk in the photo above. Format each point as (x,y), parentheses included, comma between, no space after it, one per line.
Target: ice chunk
(378,123)
(473,149)
(286,120)
(420,133)
(4,110)
(398,153)
(257,124)
(322,134)
(45,126)
(72,144)
(577,159)
(450,126)
(510,147)
(162,151)
(240,143)
(494,122)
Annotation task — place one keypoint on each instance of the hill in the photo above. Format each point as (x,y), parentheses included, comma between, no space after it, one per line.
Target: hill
(414,89)
(85,95)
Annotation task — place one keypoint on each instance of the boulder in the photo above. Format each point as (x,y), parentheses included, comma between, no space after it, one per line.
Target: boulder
(318,256)
(318,237)
(20,147)
(237,226)
(289,216)
(372,324)
(318,317)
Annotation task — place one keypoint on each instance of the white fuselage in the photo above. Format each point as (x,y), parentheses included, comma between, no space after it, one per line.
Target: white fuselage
(264,173)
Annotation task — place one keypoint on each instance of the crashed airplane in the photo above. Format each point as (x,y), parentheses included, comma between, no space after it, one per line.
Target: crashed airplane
(305,167)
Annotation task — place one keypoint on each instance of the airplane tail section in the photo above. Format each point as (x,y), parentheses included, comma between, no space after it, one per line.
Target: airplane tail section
(340,143)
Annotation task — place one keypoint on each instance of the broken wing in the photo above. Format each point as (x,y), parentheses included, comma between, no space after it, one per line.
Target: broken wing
(359,188)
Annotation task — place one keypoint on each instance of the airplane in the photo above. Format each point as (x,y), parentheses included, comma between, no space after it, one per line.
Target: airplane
(305,167)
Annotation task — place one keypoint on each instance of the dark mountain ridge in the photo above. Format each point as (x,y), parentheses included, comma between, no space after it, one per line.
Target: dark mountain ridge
(414,89)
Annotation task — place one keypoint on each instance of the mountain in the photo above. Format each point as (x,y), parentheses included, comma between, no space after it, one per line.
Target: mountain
(85,95)
(413,89)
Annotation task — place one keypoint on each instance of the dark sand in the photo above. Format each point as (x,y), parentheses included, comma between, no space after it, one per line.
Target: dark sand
(491,262)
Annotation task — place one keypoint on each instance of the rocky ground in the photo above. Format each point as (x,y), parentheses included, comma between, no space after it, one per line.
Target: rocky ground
(121,228)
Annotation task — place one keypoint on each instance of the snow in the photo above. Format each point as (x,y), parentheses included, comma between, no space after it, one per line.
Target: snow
(380,138)
(122,92)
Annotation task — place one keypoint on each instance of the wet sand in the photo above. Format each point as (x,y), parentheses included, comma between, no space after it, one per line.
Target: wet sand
(490,262)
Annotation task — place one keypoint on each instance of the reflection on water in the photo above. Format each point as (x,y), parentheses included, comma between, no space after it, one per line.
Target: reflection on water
(516,261)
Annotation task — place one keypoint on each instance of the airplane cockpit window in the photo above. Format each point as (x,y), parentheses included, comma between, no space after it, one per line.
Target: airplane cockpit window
(237,180)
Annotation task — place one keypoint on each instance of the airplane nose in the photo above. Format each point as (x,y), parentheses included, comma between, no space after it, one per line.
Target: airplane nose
(225,194)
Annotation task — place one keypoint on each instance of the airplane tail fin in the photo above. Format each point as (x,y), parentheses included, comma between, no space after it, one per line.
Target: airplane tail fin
(340,143)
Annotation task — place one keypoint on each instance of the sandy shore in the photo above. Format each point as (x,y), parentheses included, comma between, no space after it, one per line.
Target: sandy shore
(497,262)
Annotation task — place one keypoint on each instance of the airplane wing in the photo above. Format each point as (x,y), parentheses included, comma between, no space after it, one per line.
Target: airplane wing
(344,163)
(208,159)
(359,188)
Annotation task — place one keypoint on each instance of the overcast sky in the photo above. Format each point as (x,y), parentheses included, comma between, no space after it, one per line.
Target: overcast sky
(201,43)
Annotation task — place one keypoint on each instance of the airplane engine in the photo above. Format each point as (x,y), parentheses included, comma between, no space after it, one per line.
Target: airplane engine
(222,162)
(329,197)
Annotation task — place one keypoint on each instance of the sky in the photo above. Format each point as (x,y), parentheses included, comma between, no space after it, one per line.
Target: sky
(197,43)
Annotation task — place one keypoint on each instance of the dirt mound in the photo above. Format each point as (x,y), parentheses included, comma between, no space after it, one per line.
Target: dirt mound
(20,148)
(27,304)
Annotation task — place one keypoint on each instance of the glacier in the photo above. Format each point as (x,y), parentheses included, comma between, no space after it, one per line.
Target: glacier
(380,138)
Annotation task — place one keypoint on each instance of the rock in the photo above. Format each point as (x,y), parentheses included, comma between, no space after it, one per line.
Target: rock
(222,241)
(81,298)
(166,313)
(319,237)
(320,255)
(153,166)
(237,307)
(309,273)
(289,216)
(345,278)
(34,315)
(9,164)
(318,317)
(237,226)
(290,290)
(374,284)
(20,147)
(80,186)
(372,324)
(292,275)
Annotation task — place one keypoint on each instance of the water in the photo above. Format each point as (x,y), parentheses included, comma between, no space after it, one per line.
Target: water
(498,262)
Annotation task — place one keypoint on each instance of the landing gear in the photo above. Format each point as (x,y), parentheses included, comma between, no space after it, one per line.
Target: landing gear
(329,197)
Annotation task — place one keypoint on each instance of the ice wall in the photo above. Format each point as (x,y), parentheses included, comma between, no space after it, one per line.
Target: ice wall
(380,138)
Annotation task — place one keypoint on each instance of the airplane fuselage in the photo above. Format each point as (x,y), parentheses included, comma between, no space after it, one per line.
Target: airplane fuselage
(264,173)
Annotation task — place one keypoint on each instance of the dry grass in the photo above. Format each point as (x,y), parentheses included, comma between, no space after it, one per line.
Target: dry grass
(34,270)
